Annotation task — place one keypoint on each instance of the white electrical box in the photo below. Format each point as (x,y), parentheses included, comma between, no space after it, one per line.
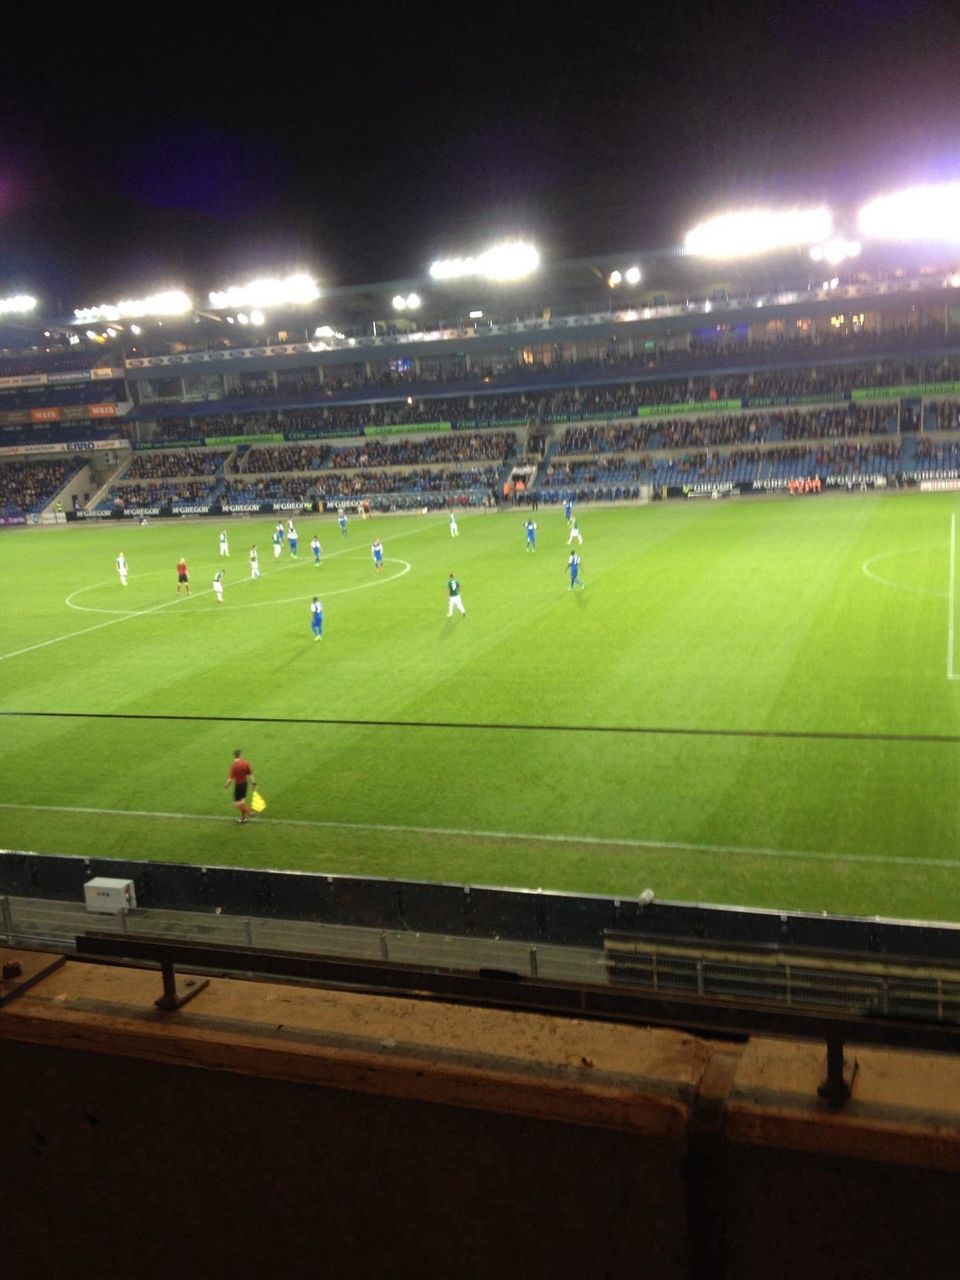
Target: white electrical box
(109,897)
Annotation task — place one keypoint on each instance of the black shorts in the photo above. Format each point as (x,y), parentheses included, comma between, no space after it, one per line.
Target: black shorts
(182,577)
(239,791)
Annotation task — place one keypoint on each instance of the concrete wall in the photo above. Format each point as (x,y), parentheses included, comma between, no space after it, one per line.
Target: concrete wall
(268,1130)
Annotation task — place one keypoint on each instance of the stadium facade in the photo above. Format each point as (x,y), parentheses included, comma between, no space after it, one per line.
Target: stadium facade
(695,379)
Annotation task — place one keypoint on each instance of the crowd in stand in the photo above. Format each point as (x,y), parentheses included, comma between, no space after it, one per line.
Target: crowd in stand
(27,487)
(174,464)
(573,403)
(683,433)
(290,457)
(159,492)
(942,417)
(935,455)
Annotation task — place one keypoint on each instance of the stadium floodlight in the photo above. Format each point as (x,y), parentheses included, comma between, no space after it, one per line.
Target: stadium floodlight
(17,305)
(476,315)
(632,275)
(94,337)
(242,317)
(172,302)
(296,289)
(136,330)
(835,251)
(756,231)
(256,317)
(614,278)
(399,302)
(413,301)
(511,260)
(919,213)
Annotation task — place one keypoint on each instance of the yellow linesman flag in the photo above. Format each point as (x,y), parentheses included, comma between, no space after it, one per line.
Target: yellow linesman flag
(257,802)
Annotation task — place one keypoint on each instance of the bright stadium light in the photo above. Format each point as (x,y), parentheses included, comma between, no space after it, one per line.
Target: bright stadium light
(511,260)
(614,278)
(755,231)
(413,301)
(835,251)
(136,330)
(919,213)
(267,292)
(476,315)
(256,317)
(242,317)
(172,302)
(632,275)
(17,305)
(399,302)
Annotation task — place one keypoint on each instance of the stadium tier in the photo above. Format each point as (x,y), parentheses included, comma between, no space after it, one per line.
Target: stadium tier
(695,385)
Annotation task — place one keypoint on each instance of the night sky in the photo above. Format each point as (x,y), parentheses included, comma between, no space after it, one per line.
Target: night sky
(361,143)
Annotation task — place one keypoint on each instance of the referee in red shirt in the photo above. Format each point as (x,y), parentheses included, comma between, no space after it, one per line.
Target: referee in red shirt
(241,775)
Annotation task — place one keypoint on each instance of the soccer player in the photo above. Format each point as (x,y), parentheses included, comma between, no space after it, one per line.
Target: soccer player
(342,522)
(277,540)
(316,619)
(573,564)
(254,562)
(575,532)
(316,548)
(241,775)
(453,597)
(292,538)
(291,531)
(377,550)
(218,585)
(224,545)
(531,528)
(454,531)
(183,576)
(280,529)
(568,509)
(122,568)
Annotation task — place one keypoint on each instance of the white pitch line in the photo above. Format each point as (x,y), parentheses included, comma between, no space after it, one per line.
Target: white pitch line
(97,626)
(143,613)
(625,842)
(952,596)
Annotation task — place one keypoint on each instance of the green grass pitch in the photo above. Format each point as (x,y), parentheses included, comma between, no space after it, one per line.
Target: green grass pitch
(749,703)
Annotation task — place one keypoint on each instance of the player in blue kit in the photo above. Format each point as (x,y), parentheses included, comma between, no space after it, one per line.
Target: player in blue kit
(342,522)
(316,619)
(292,539)
(568,509)
(377,550)
(531,528)
(316,548)
(574,566)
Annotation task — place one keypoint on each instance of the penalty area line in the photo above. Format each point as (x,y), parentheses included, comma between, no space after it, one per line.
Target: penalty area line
(608,842)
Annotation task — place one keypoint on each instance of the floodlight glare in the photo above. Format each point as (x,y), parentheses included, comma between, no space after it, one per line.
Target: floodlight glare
(399,303)
(476,315)
(613,279)
(633,275)
(918,213)
(413,301)
(267,292)
(256,317)
(835,250)
(173,302)
(136,330)
(17,305)
(511,260)
(755,231)
(243,318)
